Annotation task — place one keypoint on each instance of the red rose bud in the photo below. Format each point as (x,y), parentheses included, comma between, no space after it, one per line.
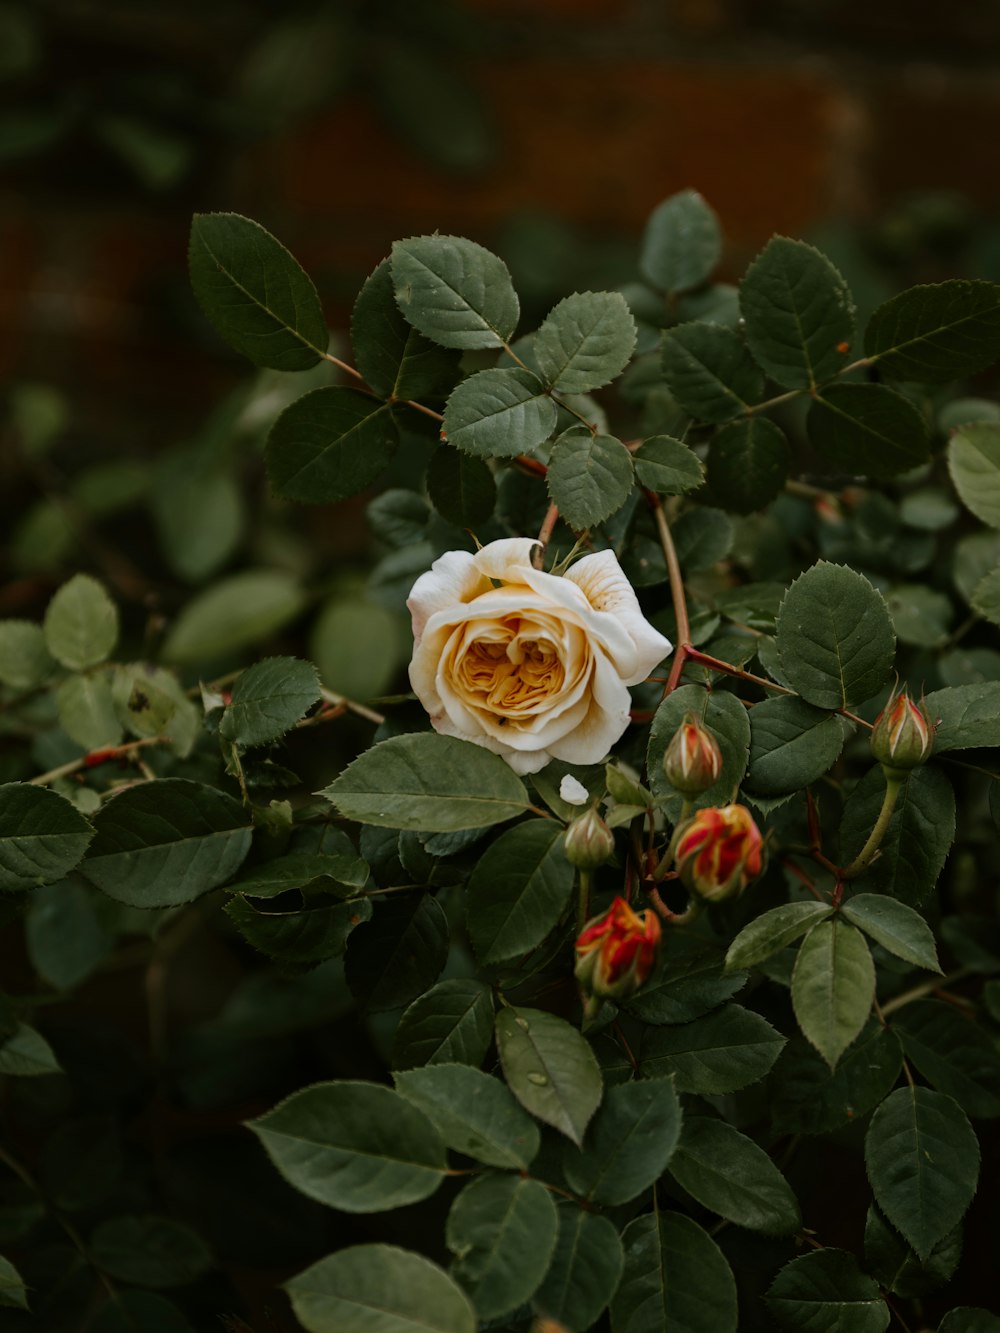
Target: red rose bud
(589,841)
(903,736)
(718,851)
(616,952)
(693,760)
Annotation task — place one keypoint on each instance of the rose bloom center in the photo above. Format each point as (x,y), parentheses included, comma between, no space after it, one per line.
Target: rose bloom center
(514,666)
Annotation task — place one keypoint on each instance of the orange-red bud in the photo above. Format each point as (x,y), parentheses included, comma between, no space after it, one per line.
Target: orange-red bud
(903,736)
(616,952)
(718,851)
(692,761)
(589,841)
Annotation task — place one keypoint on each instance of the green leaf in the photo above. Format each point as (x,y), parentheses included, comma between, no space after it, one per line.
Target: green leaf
(474,1113)
(150,1251)
(826,1292)
(199,513)
(268,699)
(255,294)
(797,313)
(396,360)
(974,464)
(953,1054)
(66,937)
(499,412)
(895,1265)
(730,1175)
(452,1022)
(81,624)
(968,1319)
(703,537)
(87,710)
(791,745)
(435,784)
(920,615)
(152,702)
(895,926)
(454,291)
(833,987)
(629,1142)
(379,1289)
(967,716)
(166,842)
(334,860)
(916,843)
(589,477)
(42,836)
(867,429)
(808,1097)
(461,488)
(675,1280)
(13,1293)
(518,891)
(986,598)
(26,1054)
(747,465)
(719,1053)
(667,466)
(772,931)
(923,1163)
(356,1146)
(710,371)
(682,243)
(357,646)
(586,341)
(25,661)
(584,1272)
(936,332)
(835,639)
(689,982)
(299,937)
(550,1069)
(239,610)
(329,444)
(502,1231)
(725,717)
(400,953)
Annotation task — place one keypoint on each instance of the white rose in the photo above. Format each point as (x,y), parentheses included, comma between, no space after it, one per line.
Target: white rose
(533,666)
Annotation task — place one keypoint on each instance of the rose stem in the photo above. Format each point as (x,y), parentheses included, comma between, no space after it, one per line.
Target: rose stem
(545,535)
(677,595)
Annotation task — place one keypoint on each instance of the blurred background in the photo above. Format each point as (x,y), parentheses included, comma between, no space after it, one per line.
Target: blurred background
(131,437)
(547,129)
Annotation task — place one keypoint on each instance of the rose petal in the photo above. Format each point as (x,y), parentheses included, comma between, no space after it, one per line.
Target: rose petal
(505,559)
(602,581)
(451,581)
(572,791)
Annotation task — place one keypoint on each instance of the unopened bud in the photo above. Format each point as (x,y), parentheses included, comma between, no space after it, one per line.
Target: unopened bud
(692,761)
(616,952)
(589,841)
(903,736)
(718,851)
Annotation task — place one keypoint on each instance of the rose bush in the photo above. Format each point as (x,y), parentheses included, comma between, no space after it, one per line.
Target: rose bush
(533,666)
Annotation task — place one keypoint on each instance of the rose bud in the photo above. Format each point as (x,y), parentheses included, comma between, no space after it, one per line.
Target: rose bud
(903,736)
(589,841)
(692,761)
(616,952)
(718,851)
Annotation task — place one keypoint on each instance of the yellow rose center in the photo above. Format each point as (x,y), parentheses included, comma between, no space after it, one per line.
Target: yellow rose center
(509,670)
